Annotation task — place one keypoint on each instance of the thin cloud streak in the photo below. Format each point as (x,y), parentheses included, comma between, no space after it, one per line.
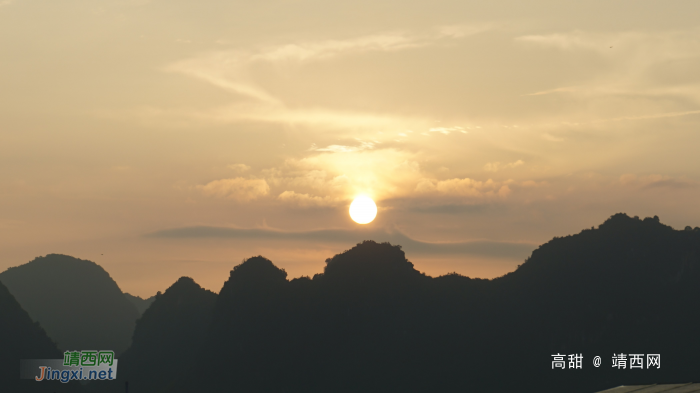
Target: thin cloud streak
(232,70)
(482,248)
(649,117)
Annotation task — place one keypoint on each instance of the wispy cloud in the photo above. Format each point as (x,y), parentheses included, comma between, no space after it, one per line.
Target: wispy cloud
(649,117)
(465,187)
(552,91)
(306,200)
(448,130)
(239,168)
(479,247)
(573,40)
(238,188)
(381,173)
(496,166)
(656,181)
(320,50)
(226,70)
(364,145)
(637,64)
(233,70)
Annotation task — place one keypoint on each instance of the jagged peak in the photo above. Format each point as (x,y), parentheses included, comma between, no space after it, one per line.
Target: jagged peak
(623,221)
(258,267)
(369,258)
(183,284)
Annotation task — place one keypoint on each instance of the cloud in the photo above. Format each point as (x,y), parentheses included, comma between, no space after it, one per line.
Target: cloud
(648,66)
(655,181)
(552,91)
(6,2)
(671,183)
(292,175)
(481,248)
(237,188)
(235,71)
(459,31)
(359,123)
(226,70)
(319,50)
(380,42)
(364,145)
(532,184)
(465,187)
(496,166)
(448,130)
(239,168)
(649,117)
(568,41)
(336,148)
(306,200)
(449,208)
(230,70)
(380,173)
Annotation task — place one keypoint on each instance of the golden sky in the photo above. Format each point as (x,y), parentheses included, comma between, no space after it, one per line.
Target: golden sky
(168,138)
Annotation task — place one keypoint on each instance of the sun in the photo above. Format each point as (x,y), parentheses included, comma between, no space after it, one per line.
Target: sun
(363,210)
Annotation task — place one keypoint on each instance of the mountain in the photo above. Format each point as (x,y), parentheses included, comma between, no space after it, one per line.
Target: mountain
(358,317)
(370,322)
(167,339)
(140,304)
(75,301)
(628,286)
(250,323)
(21,338)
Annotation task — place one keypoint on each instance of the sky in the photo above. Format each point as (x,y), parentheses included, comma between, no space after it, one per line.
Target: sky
(174,138)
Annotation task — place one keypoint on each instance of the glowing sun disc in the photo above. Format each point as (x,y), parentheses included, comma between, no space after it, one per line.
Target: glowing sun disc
(363,210)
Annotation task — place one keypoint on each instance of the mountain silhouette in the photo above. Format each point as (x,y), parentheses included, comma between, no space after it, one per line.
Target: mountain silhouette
(21,338)
(629,286)
(359,317)
(167,340)
(140,303)
(75,301)
(371,322)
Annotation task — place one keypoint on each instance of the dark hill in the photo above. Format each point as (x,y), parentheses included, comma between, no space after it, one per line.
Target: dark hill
(76,301)
(358,317)
(167,340)
(250,322)
(21,338)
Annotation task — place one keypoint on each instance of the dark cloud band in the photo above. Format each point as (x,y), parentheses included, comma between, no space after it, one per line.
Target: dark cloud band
(492,249)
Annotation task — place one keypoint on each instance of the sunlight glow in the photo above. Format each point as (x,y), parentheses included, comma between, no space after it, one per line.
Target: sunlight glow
(363,210)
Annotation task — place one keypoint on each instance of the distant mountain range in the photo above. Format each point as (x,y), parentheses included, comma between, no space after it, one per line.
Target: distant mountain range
(371,322)
(75,301)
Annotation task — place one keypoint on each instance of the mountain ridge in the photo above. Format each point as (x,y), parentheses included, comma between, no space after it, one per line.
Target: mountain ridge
(76,301)
(372,322)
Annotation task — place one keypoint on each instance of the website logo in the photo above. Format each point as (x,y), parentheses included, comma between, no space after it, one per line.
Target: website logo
(86,365)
